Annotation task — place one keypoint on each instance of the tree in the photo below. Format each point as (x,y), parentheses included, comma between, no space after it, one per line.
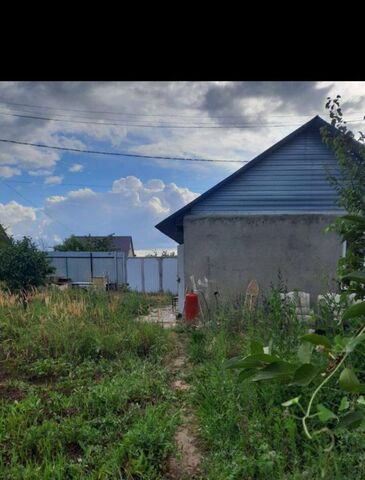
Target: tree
(86,244)
(23,267)
(350,186)
(4,239)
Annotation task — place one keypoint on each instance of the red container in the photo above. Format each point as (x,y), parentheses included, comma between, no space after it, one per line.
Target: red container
(191,307)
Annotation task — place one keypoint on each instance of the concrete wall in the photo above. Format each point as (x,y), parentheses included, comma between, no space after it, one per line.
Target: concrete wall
(231,250)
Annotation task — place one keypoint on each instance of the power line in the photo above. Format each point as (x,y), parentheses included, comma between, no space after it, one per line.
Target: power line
(144,125)
(34,206)
(134,114)
(118,154)
(83,117)
(141,114)
(94,185)
(69,118)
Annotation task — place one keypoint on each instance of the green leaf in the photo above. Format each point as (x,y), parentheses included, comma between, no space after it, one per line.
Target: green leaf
(351,420)
(278,370)
(250,361)
(324,414)
(350,383)
(344,405)
(256,347)
(361,400)
(247,373)
(355,276)
(354,342)
(348,380)
(317,339)
(305,352)
(235,362)
(292,401)
(305,374)
(357,310)
(354,219)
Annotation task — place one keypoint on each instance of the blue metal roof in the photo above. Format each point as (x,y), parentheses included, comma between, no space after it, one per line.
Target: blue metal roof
(289,177)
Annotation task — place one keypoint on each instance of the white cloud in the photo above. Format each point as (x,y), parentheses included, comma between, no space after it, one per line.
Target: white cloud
(8,172)
(18,219)
(76,167)
(131,207)
(54,180)
(179,103)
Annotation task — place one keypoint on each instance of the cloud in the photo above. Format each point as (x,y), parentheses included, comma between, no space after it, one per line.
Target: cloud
(18,219)
(192,104)
(131,207)
(54,180)
(76,167)
(235,102)
(8,172)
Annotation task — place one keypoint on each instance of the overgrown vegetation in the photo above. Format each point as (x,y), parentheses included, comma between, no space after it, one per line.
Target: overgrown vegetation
(86,244)
(84,388)
(4,239)
(23,267)
(245,430)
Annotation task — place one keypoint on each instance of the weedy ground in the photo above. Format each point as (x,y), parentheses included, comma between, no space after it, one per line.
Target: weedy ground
(84,388)
(244,431)
(88,392)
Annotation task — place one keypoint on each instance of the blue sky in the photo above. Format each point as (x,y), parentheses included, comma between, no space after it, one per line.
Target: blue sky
(49,194)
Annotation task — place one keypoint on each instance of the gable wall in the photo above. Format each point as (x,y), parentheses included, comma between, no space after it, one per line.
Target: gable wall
(291,179)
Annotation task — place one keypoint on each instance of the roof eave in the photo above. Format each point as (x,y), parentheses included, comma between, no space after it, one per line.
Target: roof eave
(166,226)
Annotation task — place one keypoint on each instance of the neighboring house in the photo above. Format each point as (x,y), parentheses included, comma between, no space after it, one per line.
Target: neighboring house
(119,243)
(267,217)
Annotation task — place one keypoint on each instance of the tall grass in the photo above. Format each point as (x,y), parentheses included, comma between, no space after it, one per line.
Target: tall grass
(84,389)
(245,431)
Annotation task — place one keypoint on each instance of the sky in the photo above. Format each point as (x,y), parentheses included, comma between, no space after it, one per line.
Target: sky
(49,194)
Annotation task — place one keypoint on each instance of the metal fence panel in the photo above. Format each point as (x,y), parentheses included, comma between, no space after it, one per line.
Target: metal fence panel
(60,265)
(79,269)
(82,266)
(134,273)
(143,274)
(152,275)
(169,275)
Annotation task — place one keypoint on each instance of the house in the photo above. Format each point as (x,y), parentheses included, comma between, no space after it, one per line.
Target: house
(268,217)
(119,243)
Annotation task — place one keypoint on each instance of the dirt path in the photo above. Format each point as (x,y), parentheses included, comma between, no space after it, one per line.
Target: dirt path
(185,463)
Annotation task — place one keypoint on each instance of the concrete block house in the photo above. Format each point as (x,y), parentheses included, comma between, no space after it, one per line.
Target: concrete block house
(268,216)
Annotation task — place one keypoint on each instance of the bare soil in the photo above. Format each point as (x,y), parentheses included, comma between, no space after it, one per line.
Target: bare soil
(186,461)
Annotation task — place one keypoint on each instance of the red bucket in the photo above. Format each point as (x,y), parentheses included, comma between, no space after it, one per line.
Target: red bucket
(191,308)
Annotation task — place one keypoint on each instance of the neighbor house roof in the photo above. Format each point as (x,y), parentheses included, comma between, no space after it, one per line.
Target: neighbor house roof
(289,177)
(120,243)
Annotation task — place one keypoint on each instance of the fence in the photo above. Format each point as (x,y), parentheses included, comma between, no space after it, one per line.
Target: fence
(82,266)
(143,274)
(152,274)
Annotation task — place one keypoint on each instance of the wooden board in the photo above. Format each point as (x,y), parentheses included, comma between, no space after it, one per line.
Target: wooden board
(251,297)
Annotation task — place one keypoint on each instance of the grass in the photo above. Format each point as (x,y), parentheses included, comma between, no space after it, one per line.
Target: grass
(85,393)
(245,432)
(84,388)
